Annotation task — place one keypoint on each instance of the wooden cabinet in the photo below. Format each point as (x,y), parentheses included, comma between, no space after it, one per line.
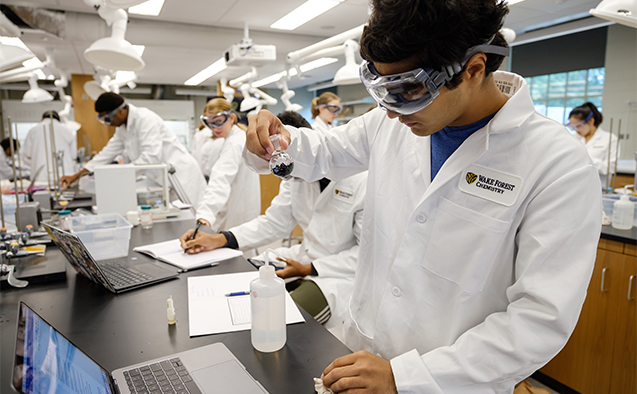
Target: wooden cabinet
(599,357)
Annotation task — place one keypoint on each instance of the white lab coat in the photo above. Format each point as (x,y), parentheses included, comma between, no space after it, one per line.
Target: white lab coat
(597,148)
(206,150)
(233,195)
(320,125)
(331,222)
(464,293)
(35,150)
(145,139)
(6,167)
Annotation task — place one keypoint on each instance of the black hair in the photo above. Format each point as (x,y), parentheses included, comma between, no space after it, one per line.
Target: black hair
(291,118)
(48,114)
(6,144)
(108,101)
(585,110)
(433,33)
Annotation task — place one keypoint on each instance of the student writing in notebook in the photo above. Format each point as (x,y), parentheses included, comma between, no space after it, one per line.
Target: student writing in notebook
(330,215)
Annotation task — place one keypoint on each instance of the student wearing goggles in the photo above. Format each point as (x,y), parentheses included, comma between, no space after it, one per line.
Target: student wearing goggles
(108,118)
(216,121)
(325,109)
(408,92)
(585,120)
(478,209)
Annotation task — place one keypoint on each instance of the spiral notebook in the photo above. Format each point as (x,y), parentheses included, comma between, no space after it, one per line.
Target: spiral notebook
(170,252)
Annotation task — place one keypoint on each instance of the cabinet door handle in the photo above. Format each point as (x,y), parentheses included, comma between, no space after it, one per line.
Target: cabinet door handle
(603,277)
(630,287)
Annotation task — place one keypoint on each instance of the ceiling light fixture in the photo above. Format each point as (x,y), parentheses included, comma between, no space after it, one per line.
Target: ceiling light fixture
(207,72)
(150,7)
(623,12)
(12,56)
(35,94)
(511,2)
(324,61)
(114,52)
(304,13)
(139,49)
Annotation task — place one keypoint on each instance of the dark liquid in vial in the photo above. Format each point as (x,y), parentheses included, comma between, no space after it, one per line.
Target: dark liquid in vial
(283,170)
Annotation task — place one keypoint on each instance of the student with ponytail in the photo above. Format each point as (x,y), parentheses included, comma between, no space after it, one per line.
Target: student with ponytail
(585,121)
(325,108)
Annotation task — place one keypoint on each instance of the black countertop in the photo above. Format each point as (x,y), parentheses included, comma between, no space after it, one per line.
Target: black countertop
(625,236)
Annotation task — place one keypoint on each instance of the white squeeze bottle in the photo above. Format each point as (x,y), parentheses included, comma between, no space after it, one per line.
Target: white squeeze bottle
(623,211)
(267,300)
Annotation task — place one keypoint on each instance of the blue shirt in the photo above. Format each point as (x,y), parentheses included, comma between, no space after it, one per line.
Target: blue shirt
(447,140)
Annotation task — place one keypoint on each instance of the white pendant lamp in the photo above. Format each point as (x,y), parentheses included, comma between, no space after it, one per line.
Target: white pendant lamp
(623,12)
(114,52)
(35,94)
(12,56)
(348,74)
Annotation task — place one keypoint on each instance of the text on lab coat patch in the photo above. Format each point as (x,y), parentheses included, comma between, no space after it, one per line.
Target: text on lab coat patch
(490,184)
(345,195)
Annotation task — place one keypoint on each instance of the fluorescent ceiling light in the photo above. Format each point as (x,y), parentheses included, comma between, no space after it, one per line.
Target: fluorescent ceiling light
(207,72)
(150,7)
(35,62)
(14,41)
(511,2)
(305,13)
(139,49)
(324,61)
(124,75)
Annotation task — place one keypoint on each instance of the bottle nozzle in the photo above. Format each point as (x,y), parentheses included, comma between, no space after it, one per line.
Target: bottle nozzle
(170,310)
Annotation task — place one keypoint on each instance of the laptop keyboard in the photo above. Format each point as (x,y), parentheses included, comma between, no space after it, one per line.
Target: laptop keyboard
(120,275)
(165,377)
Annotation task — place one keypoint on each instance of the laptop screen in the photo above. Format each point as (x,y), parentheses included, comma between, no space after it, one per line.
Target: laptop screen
(77,255)
(46,362)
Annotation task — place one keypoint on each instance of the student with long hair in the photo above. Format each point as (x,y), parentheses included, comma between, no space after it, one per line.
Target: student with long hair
(325,108)
(585,120)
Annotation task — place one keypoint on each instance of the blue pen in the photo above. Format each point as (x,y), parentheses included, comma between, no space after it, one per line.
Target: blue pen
(238,293)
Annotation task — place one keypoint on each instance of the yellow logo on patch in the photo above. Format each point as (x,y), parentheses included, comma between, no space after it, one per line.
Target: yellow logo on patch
(471,177)
(336,191)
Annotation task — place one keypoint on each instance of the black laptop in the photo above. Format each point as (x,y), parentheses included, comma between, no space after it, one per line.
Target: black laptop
(117,275)
(46,362)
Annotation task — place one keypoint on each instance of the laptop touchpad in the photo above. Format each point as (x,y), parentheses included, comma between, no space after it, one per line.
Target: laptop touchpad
(228,377)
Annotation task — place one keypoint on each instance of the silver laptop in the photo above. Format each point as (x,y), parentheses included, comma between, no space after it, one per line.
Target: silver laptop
(117,275)
(46,362)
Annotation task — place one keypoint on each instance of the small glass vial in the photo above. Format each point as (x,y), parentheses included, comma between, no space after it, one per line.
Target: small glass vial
(281,164)
(64,218)
(146,217)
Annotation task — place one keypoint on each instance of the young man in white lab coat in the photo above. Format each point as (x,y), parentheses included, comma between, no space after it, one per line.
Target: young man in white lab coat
(481,216)
(143,138)
(330,215)
(37,148)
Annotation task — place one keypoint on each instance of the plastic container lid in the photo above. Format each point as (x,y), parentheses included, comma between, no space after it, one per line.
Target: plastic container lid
(146,207)
(64,212)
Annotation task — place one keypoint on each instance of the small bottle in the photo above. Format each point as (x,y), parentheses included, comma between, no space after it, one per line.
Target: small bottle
(267,301)
(623,212)
(170,311)
(146,217)
(64,218)
(281,164)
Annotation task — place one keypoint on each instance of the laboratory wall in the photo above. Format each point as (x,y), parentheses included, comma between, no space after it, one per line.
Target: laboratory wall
(620,86)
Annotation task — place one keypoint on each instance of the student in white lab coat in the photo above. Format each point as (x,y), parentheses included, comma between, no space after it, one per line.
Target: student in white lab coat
(330,215)
(585,120)
(480,232)
(37,148)
(325,108)
(143,138)
(206,147)
(233,195)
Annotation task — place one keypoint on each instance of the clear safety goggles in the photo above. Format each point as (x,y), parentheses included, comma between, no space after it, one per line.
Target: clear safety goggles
(579,125)
(217,120)
(409,92)
(108,118)
(333,108)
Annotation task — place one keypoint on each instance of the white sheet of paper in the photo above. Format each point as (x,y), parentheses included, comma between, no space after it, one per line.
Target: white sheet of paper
(209,309)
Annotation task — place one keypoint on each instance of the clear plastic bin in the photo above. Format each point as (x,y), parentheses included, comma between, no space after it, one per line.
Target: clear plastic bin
(106,236)
(608,200)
